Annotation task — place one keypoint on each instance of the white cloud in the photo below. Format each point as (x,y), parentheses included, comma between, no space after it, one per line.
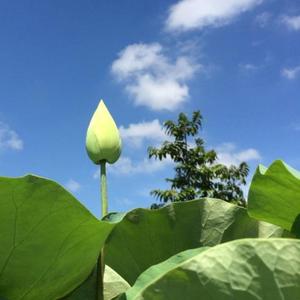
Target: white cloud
(228,154)
(135,134)
(292,22)
(191,14)
(290,73)
(151,79)
(136,58)
(73,186)
(9,139)
(158,94)
(125,166)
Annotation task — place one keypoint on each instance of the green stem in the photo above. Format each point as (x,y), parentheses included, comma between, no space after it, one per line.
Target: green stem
(103,189)
(100,277)
(104,206)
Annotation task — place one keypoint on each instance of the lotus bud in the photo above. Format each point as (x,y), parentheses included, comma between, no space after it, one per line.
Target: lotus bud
(103,142)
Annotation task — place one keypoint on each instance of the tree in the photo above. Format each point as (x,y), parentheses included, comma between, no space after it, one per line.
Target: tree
(197,171)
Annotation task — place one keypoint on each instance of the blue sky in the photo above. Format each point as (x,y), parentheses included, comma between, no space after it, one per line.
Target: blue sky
(238,61)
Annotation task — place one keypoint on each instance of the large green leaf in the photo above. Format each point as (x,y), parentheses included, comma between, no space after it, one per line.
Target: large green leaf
(247,269)
(147,237)
(85,291)
(274,194)
(49,242)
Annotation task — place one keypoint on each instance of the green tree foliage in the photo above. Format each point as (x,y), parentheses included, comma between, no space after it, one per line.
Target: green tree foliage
(197,171)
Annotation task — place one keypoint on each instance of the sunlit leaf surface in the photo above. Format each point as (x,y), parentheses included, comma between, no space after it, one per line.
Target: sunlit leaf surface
(49,242)
(147,237)
(274,195)
(247,269)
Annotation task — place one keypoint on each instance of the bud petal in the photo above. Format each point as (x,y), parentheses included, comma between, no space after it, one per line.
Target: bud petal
(103,142)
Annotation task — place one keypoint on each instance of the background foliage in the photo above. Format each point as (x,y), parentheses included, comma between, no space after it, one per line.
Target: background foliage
(197,171)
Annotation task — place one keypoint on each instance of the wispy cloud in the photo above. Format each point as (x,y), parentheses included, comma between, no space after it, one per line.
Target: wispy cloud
(291,22)
(263,19)
(295,126)
(150,77)
(248,67)
(229,155)
(123,201)
(136,133)
(73,186)
(196,14)
(125,166)
(291,73)
(245,188)
(9,139)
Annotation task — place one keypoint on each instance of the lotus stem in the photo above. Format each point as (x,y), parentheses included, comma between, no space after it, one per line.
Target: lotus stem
(100,277)
(103,189)
(104,206)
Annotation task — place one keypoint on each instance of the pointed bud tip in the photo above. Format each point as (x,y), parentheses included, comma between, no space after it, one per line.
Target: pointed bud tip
(103,140)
